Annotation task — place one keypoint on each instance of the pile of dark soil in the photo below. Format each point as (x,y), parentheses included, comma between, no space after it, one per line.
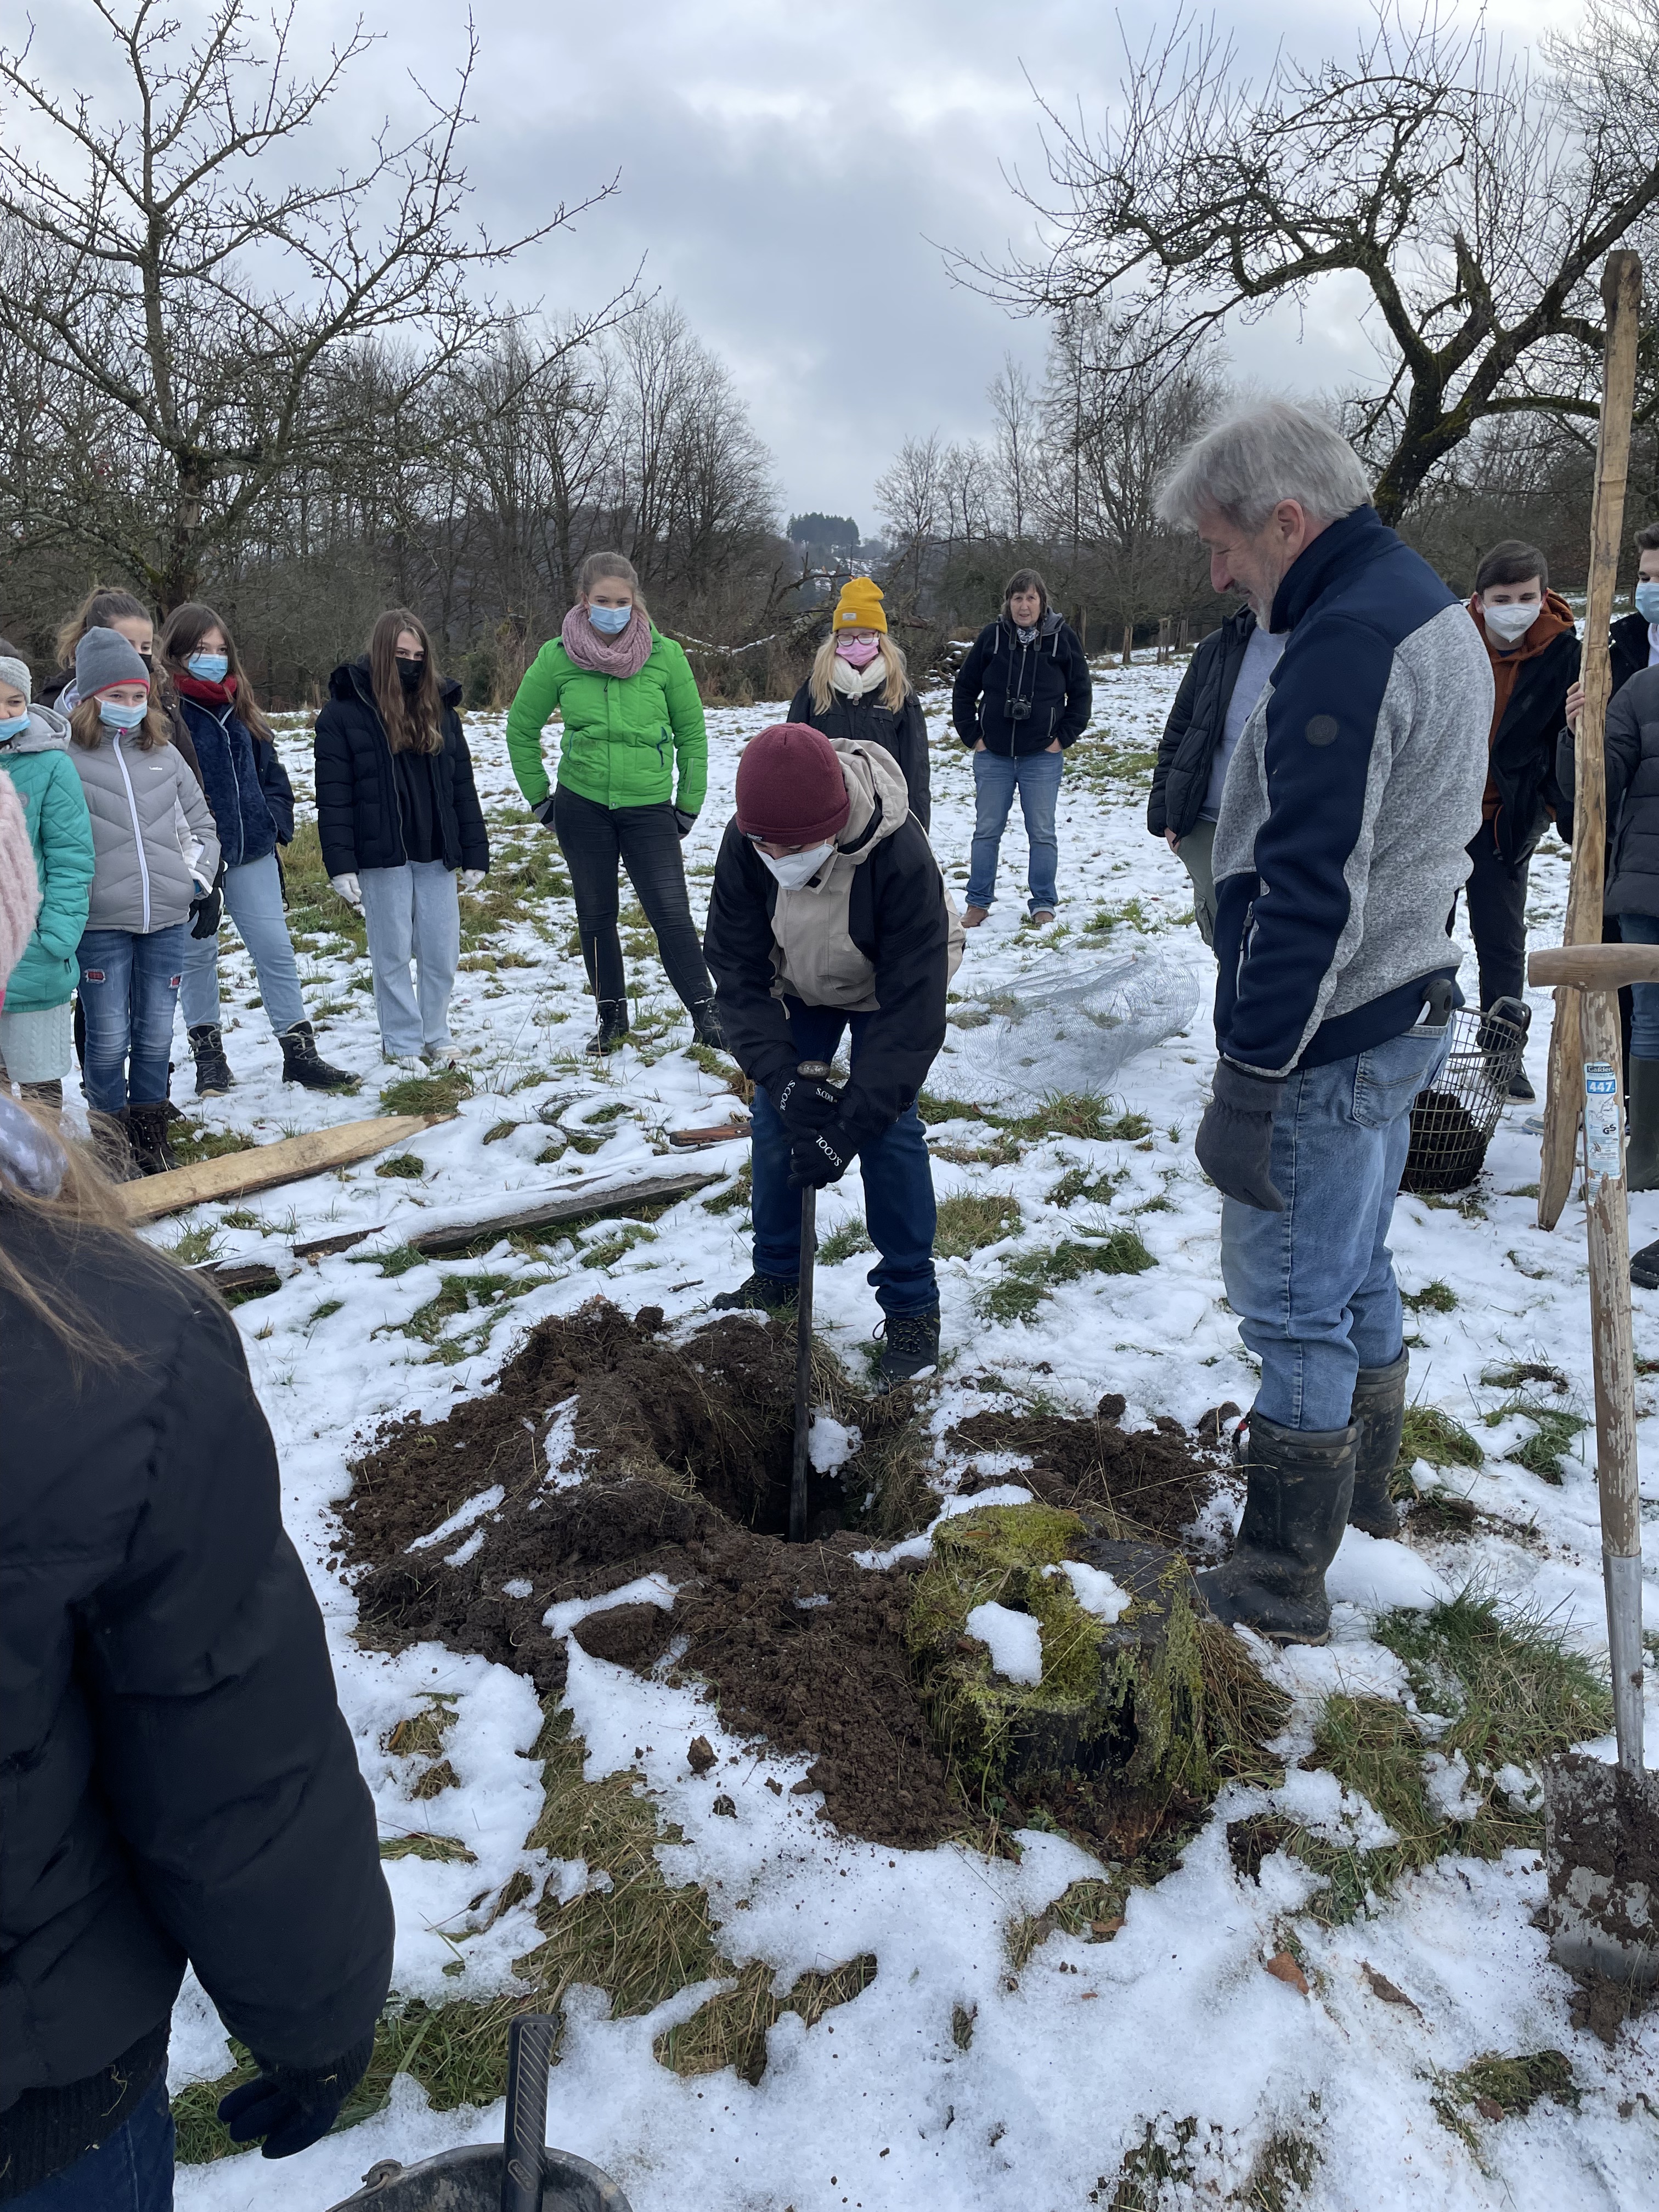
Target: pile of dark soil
(1153,1481)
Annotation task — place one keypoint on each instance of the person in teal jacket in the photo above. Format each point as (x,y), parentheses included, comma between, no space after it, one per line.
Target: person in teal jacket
(633,769)
(36,1022)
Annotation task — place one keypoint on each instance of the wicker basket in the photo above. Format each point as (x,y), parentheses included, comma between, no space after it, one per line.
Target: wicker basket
(1452,1124)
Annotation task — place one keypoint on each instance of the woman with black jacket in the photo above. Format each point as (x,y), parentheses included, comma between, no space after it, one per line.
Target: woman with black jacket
(1022,696)
(399,818)
(859,689)
(252,804)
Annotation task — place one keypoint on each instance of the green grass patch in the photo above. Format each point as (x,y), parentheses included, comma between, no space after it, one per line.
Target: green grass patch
(195,1245)
(1084,1114)
(1497,2089)
(1430,1434)
(1555,1431)
(322,1313)
(439,1093)
(737,1197)
(1078,1183)
(402,1167)
(1027,1278)
(191,1143)
(609,1249)
(843,1242)
(969,1220)
(463,1294)
(445,1850)
(731,2029)
(314,906)
(1433,1298)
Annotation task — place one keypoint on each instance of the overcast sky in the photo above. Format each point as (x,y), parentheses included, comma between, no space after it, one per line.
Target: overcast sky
(784,166)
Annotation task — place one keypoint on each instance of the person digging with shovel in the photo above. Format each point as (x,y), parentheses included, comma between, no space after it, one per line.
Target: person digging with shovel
(829,913)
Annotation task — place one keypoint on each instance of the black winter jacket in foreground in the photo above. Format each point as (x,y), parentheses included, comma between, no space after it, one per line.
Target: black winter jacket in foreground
(1051,672)
(1523,764)
(1187,751)
(176,1780)
(1627,647)
(903,734)
(1632,759)
(896,918)
(359,812)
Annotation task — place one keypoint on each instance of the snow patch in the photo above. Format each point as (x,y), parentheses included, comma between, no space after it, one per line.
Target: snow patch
(1094,1589)
(486,1501)
(1015,1640)
(830,1444)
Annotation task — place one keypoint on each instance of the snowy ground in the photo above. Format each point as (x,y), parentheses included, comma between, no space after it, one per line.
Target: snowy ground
(877,2106)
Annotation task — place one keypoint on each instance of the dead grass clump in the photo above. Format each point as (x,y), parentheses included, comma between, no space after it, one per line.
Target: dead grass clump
(732,2028)
(969,1220)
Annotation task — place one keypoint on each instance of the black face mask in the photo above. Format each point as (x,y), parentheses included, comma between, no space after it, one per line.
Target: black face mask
(410,673)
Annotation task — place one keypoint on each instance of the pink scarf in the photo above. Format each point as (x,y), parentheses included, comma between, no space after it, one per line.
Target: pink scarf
(624,655)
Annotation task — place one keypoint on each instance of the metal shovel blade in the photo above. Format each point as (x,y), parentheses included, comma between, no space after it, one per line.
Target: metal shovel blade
(1602,1862)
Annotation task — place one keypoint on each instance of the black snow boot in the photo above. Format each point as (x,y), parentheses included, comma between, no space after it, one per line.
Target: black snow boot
(147,1132)
(1642,1143)
(111,1138)
(613,1026)
(1379,1415)
(1644,1268)
(706,1025)
(909,1346)
(760,1294)
(213,1075)
(303,1064)
(1295,1511)
(44,1094)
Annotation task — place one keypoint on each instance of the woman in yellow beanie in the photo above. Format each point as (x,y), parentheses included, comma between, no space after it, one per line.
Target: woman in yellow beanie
(859,689)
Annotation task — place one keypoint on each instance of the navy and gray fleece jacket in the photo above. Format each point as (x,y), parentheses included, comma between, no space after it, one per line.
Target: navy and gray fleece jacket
(1350,799)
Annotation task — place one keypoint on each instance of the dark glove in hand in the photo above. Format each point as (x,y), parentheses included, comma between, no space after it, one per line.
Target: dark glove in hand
(292,2107)
(806,1104)
(1234,1139)
(820,1155)
(683,821)
(543,810)
(204,913)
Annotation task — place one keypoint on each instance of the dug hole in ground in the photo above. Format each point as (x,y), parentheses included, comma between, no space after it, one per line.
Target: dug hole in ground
(765,1825)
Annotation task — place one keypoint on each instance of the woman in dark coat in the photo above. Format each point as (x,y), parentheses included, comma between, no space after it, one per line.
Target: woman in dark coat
(859,688)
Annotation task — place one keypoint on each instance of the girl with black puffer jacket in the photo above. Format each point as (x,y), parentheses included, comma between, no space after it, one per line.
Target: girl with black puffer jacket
(253,802)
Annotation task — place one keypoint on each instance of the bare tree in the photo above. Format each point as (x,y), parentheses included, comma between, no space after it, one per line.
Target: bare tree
(170,287)
(909,498)
(1474,194)
(1015,411)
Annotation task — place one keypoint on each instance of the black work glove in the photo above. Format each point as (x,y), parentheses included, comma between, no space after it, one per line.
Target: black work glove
(293,2106)
(543,810)
(805,1105)
(205,912)
(821,1156)
(683,821)
(1234,1139)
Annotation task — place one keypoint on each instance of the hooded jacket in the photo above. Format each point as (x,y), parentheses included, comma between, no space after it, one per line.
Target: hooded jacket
(60,832)
(1197,723)
(637,740)
(246,783)
(1349,807)
(1051,674)
(154,845)
(359,808)
(858,713)
(1632,752)
(1530,707)
(875,931)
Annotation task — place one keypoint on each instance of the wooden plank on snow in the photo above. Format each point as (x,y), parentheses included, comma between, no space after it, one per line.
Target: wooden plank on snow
(264,1165)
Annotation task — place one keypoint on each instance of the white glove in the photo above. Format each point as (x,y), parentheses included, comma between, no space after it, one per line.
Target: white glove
(472,877)
(348,889)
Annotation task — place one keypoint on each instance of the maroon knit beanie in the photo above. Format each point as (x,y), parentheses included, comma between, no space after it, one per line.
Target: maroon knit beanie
(790,787)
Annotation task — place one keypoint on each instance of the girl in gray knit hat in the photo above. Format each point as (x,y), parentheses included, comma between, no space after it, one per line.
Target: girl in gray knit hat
(35,1022)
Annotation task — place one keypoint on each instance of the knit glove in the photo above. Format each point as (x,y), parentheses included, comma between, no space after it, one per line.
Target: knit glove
(293,2106)
(821,1156)
(205,912)
(683,821)
(472,877)
(543,810)
(348,889)
(803,1105)
(1234,1139)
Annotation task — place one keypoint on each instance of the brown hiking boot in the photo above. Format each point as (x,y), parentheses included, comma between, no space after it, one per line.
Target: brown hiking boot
(973,915)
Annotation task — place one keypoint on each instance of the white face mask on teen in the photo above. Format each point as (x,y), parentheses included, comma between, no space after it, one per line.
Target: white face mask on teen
(796,869)
(1511,619)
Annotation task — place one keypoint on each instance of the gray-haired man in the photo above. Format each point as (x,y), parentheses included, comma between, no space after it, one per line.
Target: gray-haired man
(1349,802)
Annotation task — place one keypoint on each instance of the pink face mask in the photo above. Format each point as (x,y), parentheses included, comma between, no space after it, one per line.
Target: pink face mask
(861,651)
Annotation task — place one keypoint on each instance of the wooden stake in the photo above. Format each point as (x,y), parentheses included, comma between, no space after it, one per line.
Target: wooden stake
(262,1165)
(1621,294)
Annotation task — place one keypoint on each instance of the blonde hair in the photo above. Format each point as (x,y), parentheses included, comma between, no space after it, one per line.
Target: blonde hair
(616,565)
(86,726)
(892,657)
(104,606)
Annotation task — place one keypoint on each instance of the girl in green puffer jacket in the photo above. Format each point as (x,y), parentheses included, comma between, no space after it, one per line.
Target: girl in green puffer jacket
(36,1022)
(633,767)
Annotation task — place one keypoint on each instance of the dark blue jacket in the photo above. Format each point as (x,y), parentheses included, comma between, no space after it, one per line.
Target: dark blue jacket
(1051,673)
(245,783)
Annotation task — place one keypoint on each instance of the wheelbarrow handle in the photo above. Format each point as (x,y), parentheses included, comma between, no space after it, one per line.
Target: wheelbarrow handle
(529,2055)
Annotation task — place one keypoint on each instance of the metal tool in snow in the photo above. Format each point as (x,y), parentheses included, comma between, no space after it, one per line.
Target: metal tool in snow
(1602,1823)
(810,1070)
(520,2174)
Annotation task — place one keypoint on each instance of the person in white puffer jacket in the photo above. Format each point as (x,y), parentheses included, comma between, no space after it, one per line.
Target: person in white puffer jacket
(156,855)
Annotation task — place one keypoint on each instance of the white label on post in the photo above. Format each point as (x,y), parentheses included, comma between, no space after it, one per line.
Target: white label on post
(1603,1138)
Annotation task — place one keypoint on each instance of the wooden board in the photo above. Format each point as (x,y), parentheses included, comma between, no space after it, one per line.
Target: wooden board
(264,1165)
(570,1202)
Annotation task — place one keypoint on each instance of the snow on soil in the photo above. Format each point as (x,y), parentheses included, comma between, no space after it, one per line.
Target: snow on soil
(1070,2060)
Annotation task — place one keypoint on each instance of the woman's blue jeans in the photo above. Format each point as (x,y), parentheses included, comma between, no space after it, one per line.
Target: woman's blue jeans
(1037,778)
(898,1181)
(1643,929)
(254,900)
(130,2172)
(1314,1287)
(128,989)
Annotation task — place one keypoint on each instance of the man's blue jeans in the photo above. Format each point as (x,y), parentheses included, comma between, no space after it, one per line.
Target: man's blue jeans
(128,988)
(1314,1286)
(1035,777)
(1643,929)
(898,1181)
(254,900)
(130,2172)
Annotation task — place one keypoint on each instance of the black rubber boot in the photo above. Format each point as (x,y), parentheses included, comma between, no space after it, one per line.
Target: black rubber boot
(213,1075)
(706,1025)
(44,1094)
(1297,1507)
(303,1064)
(760,1294)
(1379,1415)
(1642,1140)
(1644,1268)
(613,1026)
(909,1346)
(147,1132)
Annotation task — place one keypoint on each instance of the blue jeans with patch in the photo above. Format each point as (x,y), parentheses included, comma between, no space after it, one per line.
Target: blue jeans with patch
(1037,778)
(128,988)
(131,2170)
(1314,1287)
(254,900)
(898,1181)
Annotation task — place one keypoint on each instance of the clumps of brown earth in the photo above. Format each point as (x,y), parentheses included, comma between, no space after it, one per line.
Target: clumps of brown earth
(689,1479)
(1133,1481)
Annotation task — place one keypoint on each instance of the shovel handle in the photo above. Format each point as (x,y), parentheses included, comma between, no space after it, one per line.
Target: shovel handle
(810,1070)
(529,2055)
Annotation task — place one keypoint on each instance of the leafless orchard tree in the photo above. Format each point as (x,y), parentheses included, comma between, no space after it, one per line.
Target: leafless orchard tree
(1473,191)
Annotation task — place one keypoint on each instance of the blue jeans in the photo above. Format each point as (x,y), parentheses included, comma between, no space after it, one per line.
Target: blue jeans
(1036,777)
(128,988)
(1643,929)
(412,913)
(254,900)
(130,2172)
(898,1181)
(1314,1286)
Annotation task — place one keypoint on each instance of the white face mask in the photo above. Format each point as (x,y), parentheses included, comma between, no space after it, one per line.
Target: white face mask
(796,869)
(1511,621)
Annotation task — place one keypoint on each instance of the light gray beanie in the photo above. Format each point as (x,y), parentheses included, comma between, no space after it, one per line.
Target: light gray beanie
(103,656)
(13,671)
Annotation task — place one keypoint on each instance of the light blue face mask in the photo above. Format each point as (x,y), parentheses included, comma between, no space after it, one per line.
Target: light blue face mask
(15,729)
(210,667)
(1647,599)
(118,716)
(610,621)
